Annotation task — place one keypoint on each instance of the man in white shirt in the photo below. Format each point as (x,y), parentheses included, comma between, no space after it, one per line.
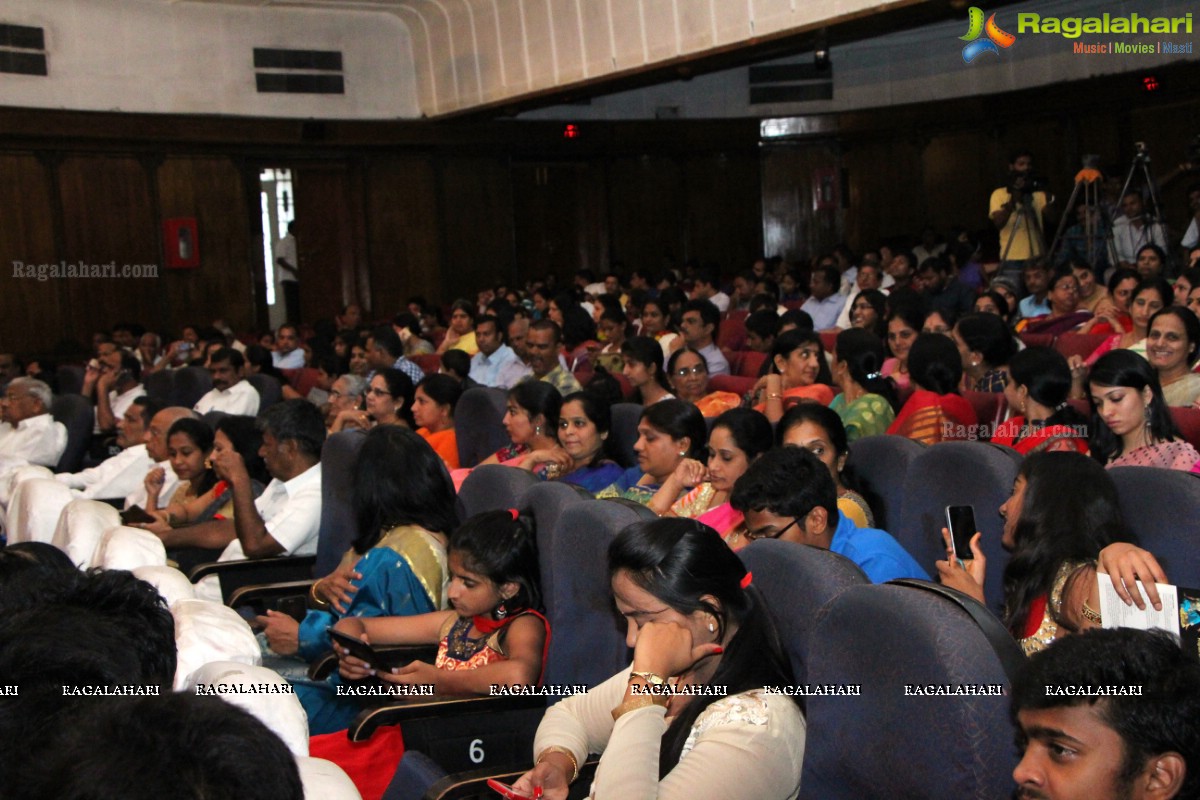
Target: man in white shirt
(285,519)
(155,439)
(706,288)
(493,354)
(699,326)
(1131,232)
(518,369)
(868,276)
(122,474)
(116,390)
(288,352)
(231,393)
(824,303)
(28,434)
(288,273)
(1191,237)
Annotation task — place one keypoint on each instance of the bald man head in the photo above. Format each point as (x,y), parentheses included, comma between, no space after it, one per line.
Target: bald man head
(156,433)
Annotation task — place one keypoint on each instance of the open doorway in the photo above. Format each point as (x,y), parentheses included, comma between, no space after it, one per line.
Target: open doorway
(278,200)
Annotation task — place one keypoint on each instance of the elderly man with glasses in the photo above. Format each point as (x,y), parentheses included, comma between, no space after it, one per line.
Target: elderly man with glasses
(28,434)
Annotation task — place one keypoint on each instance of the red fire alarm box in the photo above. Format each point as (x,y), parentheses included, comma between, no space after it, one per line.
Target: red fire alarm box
(181,243)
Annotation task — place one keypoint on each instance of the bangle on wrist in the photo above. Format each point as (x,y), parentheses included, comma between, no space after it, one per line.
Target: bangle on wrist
(560,749)
(316,598)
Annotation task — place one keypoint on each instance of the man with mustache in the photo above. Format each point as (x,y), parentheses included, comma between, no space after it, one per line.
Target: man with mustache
(1108,715)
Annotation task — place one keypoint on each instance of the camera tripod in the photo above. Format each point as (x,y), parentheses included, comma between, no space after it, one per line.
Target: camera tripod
(1088,179)
(1025,221)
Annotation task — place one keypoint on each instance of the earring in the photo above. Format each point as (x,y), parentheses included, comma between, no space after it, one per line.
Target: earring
(682,453)
(712,628)
(537,430)
(500,612)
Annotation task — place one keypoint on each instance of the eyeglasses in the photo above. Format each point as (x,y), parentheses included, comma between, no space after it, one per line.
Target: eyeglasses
(379,392)
(683,372)
(760,534)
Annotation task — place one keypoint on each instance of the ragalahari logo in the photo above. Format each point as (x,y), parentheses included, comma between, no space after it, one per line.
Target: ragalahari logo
(996,38)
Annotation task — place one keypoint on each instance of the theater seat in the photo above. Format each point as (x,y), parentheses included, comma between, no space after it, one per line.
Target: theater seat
(34,508)
(1161,507)
(278,710)
(80,527)
(492,487)
(324,780)
(1079,344)
(188,385)
(1187,420)
(159,385)
(958,474)
(206,632)
(989,411)
(731,383)
(479,424)
(796,581)
(269,390)
(75,413)
(879,464)
(623,434)
(171,584)
(127,548)
(884,743)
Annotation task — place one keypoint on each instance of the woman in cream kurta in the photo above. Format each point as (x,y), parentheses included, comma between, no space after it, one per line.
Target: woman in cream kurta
(717,635)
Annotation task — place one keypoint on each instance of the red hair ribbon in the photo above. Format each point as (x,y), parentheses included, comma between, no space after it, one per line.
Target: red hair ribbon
(514,513)
(749,576)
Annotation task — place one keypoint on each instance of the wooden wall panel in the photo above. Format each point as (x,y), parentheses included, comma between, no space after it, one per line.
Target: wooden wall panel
(477,226)
(330,242)
(559,219)
(109,217)
(886,192)
(791,224)
(32,315)
(646,212)
(403,241)
(956,182)
(230,243)
(723,198)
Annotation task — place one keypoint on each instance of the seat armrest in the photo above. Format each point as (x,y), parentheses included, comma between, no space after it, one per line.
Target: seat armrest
(473,783)
(412,708)
(255,571)
(260,595)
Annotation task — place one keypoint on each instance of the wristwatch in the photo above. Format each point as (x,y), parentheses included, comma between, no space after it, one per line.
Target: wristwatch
(652,678)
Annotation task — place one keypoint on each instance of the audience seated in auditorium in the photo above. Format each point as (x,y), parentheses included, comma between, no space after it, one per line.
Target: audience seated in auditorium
(200,496)
(1172,346)
(231,392)
(824,303)
(903,326)
(1065,314)
(699,325)
(1062,513)
(156,449)
(789,494)
(761,329)
(433,414)
(1183,285)
(935,411)
(668,432)
(738,437)
(820,431)
(285,518)
(493,356)
(112,380)
(404,507)
(687,370)
(656,323)
(1148,298)
(543,343)
(1131,424)
(796,371)
(868,400)
(612,329)
(581,457)
(1036,277)
(694,618)
(643,368)
(1141,743)
(939,321)
(1037,392)
(28,434)
(942,290)
(387,400)
(566,310)
(386,351)
(494,632)
(706,286)
(985,345)
(531,422)
(461,333)
(117,476)
(288,354)
(1113,308)
(408,327)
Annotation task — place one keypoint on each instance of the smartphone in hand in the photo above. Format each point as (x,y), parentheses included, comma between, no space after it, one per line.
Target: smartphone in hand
(960,520)
(135,514)
(504,790)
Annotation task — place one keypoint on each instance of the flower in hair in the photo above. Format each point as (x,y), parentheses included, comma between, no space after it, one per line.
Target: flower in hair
(749,576)
(514,513)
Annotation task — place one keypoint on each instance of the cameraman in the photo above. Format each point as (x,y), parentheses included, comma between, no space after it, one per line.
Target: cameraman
(1016,209)
(1135,230)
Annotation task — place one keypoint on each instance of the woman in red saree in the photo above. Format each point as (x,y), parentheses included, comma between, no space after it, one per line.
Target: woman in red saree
(935,412)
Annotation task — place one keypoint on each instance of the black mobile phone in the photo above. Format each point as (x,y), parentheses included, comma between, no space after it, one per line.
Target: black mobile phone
(359,649)
(135,514)
(961,522)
